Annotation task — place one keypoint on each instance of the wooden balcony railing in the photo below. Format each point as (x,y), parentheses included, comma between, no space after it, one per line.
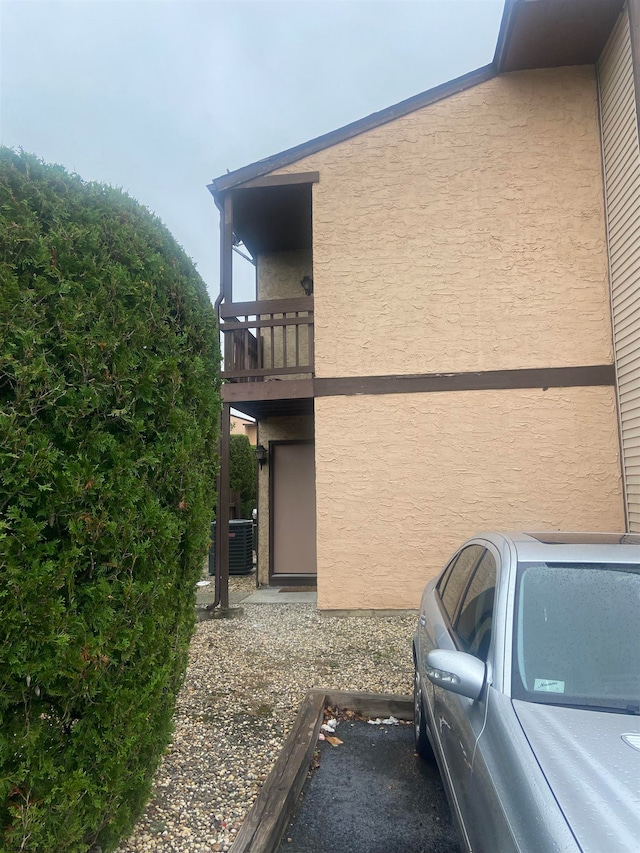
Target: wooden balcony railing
(269,338)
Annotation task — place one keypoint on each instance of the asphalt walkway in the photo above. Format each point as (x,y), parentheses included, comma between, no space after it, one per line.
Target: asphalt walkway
(372,794)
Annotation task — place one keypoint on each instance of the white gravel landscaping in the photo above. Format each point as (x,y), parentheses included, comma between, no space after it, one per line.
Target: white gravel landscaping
(245,681)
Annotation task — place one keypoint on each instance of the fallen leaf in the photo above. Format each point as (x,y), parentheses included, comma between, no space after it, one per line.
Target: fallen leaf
(334,741)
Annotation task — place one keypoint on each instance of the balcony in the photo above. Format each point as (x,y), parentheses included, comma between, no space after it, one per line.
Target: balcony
(266,341)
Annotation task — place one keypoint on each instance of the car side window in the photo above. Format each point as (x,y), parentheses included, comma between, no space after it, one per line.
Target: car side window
(475,620)
(440,586)
(458,578)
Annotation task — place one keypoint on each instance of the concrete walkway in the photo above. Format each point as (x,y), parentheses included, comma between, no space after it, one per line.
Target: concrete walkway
(280,595)
(265,595)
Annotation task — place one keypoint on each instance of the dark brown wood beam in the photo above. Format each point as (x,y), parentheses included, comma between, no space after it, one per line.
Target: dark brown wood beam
(226,248)
(549,377)
(226,267)
(266,306)
(278,322)
(286,389)
(240,393)
(280,180)
(266,371)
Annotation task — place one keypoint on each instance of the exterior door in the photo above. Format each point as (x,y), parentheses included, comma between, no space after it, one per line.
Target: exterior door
(293,513)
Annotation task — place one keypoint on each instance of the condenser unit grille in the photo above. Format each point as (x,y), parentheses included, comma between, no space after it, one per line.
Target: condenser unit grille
(240,547)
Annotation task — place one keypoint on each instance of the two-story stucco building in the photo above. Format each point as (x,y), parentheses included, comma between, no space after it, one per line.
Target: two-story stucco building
(446,336)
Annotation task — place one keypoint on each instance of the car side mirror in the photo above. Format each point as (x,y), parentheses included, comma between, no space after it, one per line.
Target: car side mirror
(456,672)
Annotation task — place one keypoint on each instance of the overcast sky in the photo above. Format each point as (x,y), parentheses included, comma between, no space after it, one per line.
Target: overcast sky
(161,96)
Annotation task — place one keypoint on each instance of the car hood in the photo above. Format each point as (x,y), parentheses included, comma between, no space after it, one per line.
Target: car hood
(592,770)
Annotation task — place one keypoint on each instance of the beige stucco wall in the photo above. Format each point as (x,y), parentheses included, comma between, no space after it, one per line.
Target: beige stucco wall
(279,275)
(274,429)
(466,236)
(437,468)
(240,426)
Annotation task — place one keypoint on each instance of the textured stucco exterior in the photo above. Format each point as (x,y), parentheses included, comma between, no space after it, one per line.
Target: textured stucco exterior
(274,429)
(279,274)
(468,235)
(437,468)
(242,426)
(278,277)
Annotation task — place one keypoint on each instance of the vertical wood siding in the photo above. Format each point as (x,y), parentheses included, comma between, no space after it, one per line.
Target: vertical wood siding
(621,155)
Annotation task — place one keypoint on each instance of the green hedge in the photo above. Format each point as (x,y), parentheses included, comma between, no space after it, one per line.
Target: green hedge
(109,401)
(242,472)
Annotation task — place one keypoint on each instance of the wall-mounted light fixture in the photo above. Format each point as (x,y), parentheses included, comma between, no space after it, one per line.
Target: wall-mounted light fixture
(262,455)
(307,285)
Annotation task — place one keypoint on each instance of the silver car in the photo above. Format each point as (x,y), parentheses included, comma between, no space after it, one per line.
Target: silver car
(527,690)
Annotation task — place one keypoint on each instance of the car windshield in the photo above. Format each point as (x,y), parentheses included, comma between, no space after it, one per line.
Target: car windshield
(576,635)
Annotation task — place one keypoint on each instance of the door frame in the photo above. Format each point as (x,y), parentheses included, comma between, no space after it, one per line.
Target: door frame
(286,579)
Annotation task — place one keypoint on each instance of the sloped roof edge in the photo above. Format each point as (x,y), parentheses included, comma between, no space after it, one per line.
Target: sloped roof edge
(533,34)
(506,25)
(403,108)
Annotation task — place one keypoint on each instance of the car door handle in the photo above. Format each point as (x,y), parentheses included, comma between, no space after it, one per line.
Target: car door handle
(423,619)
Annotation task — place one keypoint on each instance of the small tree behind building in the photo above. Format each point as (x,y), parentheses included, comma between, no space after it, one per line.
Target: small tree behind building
(242,472)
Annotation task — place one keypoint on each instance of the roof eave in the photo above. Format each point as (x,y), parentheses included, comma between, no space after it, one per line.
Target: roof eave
(504,35)
(234,179)
(538,34)
(292,155)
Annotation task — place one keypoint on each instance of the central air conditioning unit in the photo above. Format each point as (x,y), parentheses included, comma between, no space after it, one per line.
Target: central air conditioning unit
(240,547)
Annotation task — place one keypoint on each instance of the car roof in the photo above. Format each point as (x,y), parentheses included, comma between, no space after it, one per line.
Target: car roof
(570,547)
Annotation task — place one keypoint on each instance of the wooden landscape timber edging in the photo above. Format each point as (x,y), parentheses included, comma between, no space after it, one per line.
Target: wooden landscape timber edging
(372,705)
(267,819)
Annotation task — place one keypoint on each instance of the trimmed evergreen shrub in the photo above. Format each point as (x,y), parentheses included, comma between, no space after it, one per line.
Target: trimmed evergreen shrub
(242,472)
(109,411)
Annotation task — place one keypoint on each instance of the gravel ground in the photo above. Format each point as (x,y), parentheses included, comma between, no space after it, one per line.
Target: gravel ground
(245,681)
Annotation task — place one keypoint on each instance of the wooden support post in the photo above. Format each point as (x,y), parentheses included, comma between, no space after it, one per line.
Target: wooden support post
(222,521)
(222,513)
(226,270)
(226,248)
